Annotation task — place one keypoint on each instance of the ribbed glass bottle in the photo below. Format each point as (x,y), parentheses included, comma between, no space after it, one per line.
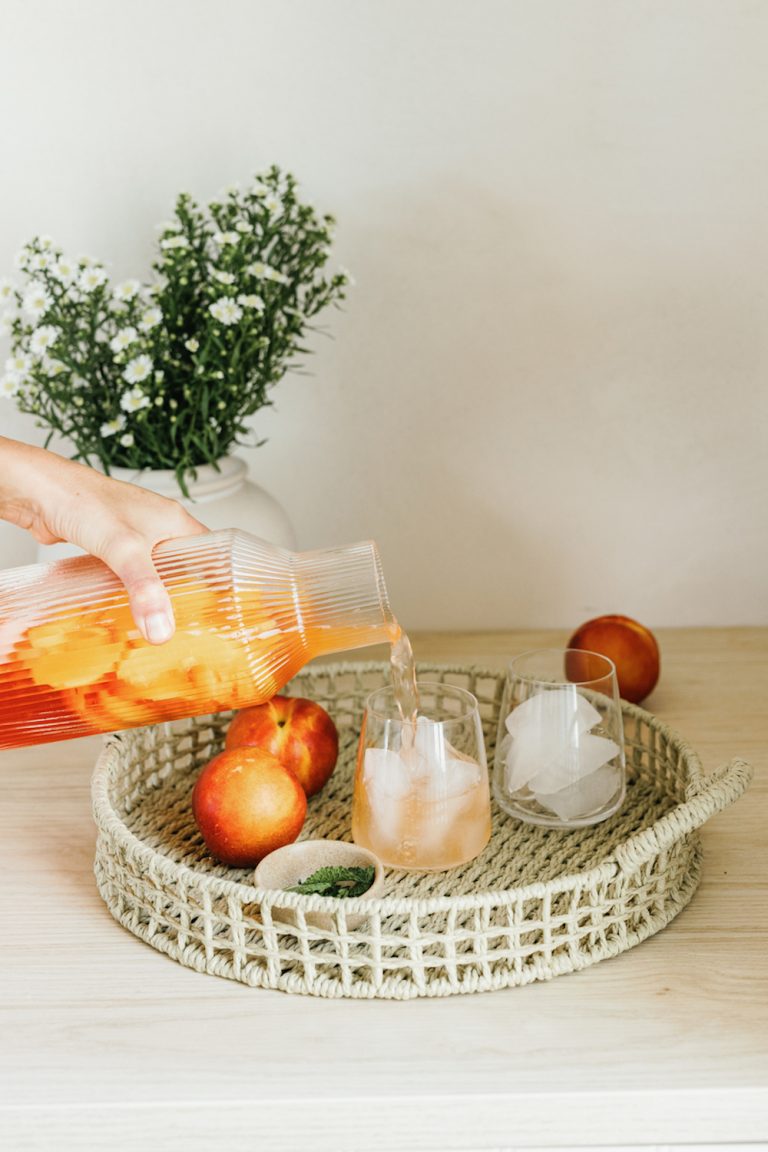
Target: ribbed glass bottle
(248,616)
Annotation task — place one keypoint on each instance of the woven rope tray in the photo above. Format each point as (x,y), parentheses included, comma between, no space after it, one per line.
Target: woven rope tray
(537,903)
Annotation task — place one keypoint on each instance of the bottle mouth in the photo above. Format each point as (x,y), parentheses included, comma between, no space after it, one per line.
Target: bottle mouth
(381,589)
(342,598)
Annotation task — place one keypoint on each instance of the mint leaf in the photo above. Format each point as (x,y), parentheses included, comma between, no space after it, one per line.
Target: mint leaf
(336,881)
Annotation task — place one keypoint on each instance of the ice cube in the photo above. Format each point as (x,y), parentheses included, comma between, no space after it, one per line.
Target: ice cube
(429,740)
(389,784)
(387,773)
(546,732)
(531,749)
(563,709)
(573,762)
(587,796)
(449,779)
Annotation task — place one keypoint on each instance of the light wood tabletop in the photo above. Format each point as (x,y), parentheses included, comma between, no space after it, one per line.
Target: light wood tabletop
(109,1045)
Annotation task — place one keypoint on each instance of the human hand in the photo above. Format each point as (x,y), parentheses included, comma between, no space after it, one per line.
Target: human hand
(57,499)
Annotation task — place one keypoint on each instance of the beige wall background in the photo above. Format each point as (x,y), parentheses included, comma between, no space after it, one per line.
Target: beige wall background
(547,396)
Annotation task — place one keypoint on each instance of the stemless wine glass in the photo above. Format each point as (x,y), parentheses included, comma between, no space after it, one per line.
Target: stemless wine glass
(560,747)
(422,798)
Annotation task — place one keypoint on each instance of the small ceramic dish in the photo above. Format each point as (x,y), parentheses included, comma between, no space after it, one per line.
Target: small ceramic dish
(295,862)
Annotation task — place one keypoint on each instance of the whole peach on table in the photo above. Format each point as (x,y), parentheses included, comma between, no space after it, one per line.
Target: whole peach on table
(631,646)
(298,732)
(246,804)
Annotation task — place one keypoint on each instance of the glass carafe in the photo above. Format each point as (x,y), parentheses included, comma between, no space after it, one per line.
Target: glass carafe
(248,616)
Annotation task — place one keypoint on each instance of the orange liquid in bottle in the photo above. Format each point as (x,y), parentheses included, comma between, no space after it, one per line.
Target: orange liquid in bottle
(248,617)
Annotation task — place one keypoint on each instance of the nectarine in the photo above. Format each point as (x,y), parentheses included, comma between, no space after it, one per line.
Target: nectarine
(299,732)
(631,647)
(246,804)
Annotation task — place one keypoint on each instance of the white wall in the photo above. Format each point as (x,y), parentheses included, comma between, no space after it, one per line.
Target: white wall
(547,398)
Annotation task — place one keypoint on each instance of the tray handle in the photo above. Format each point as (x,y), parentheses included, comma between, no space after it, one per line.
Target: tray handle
(715,792)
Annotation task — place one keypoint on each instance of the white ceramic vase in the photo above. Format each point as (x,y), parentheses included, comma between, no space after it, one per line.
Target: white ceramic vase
(220,496)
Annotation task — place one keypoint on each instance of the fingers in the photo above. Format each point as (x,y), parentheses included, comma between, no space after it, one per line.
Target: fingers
(58,499)
(131,561)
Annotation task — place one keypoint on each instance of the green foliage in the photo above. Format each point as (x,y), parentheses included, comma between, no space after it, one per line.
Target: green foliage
(166,374)
(336,881)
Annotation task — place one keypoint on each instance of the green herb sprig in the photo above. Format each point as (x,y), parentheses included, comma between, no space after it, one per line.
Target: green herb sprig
(336,881)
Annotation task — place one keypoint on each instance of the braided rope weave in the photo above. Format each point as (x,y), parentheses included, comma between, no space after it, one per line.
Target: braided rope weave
(535,904)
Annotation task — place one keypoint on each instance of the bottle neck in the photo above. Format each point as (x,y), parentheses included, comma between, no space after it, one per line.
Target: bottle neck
(341,599)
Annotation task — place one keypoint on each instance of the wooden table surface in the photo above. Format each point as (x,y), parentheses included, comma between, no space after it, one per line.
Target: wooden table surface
(107,1044)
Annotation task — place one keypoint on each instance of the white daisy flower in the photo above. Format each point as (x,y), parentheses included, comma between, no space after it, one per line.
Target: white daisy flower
(192,345)
(64,270)
(134,400)
(137,370)
(43,338)
(264,271)
(150,319)
(174,242)
(223,277)
(37,301)
(127,290)
(91,278)
(123,340)
(259,189)
(272,204)
(10,384)
(113,426)
(7,319)
(127,440)
(243,226)
(19,363)
(251,301)
(226,237)
(20,259)
(44,242)
(40,260)
(225,311)
(48,367)
(85,261)
(6,289)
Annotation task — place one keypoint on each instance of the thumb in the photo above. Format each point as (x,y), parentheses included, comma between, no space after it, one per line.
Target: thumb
(150,603)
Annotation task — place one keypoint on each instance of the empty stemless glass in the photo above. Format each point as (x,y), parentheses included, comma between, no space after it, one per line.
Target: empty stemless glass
(560,747)
(422,799)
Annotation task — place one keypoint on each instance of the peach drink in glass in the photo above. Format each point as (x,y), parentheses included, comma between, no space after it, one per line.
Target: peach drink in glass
(421,798)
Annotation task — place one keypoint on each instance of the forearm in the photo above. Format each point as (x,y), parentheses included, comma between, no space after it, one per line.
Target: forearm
(28,478)
(23,472)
